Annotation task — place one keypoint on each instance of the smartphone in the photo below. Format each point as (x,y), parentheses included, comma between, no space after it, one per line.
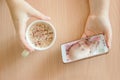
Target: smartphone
(84,48)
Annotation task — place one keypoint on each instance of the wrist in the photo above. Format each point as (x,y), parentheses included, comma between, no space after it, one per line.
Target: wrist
(99,7)
(99,15)
(13,1)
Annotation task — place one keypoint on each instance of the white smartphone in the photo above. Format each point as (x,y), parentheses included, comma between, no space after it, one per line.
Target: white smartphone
(84,48)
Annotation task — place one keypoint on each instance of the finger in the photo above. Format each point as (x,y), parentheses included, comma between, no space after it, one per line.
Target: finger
(24,43)
(88,33)
(21,35)
(84,35)
(37,14)
(108,36)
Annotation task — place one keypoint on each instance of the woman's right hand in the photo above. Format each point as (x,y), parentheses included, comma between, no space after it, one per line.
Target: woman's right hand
(99,24)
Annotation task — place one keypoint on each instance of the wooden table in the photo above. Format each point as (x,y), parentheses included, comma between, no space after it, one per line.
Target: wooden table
(69,18)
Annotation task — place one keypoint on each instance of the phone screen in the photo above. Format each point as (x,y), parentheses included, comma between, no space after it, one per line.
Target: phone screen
(84,48)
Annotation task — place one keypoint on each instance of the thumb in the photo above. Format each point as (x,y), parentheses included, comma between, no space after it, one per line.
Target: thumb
(108,36)
(88,33)
(35,13)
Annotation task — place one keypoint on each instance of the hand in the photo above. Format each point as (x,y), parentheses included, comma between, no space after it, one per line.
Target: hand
(99,24)
(21,11)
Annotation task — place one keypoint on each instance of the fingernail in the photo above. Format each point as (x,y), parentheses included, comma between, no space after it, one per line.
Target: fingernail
(49,18)
(109,46)
(46,18)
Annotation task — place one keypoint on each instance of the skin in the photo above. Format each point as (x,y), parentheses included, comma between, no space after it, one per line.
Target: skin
(97,22)
(21,11)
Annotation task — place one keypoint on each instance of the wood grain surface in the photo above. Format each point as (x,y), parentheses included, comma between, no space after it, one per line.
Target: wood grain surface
(69,18)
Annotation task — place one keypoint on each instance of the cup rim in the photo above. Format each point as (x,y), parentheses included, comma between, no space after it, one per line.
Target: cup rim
(27,33)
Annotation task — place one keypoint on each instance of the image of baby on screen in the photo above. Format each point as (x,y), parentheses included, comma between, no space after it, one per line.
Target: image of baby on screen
(82,48)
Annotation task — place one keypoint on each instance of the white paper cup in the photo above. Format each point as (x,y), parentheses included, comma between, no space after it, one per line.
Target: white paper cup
(28,38)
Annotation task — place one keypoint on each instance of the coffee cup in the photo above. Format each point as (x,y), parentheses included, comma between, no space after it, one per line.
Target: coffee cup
(40,35)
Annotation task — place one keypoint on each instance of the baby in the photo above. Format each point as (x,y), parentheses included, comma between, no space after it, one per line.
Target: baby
(83,48)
